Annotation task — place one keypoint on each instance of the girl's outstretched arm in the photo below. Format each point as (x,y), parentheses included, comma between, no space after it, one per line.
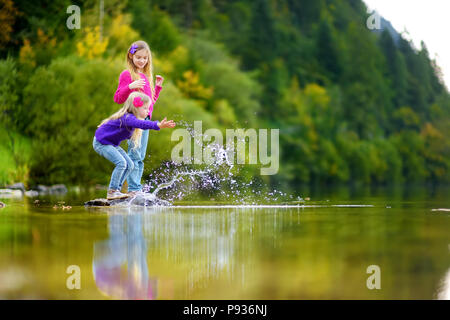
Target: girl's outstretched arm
(158,88)
(131,121)
(123,89)
(166,123)
(157,91)
(156,96)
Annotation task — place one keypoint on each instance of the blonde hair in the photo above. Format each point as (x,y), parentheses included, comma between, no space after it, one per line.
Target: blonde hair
(128,107)
(148,69)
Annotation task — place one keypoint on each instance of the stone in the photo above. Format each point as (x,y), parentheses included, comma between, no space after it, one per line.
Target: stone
(2,205)
(17,186)
(138,200)
(97,203)
(58,189)
(31,193)
(10,193)
(42,189)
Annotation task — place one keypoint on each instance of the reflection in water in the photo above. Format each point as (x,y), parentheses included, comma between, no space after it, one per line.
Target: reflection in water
(188,250)
(120,262)
(319,251)
(232,252)
(202,246)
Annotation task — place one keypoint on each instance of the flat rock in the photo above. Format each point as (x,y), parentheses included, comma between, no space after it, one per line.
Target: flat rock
(42,189)
(32,193)
(58,189)
(138,200)
(97,203)
(17,186)
(10,193)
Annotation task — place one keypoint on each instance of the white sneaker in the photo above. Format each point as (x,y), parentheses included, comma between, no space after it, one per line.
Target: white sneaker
(136,193)
(116,194)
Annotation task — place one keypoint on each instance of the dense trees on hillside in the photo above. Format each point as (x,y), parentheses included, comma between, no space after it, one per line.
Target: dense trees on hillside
(351,105)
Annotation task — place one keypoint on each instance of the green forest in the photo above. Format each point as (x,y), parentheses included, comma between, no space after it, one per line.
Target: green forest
(352,105)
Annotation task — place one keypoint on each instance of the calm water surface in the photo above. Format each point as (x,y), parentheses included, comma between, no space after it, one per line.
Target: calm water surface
(200,250)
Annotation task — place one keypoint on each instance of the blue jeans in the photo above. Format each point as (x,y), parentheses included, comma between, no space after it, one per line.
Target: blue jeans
(119,157)
(137,155)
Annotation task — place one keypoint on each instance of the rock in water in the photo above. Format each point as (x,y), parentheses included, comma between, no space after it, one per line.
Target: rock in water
(138,200)
(17,186)
(32,193)
(58,189)
(97,203)
(42,189)
(10,193)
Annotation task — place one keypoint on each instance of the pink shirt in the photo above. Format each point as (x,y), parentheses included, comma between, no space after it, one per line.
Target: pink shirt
(123,91)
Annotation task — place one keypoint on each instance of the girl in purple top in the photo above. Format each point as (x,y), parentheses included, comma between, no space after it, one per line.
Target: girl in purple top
(127,123)
(138,77)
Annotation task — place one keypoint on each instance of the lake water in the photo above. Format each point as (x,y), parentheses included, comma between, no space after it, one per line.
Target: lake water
(316,249)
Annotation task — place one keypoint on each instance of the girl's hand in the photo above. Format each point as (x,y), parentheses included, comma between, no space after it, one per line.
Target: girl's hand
(166,124)
(159,80)
(138,84)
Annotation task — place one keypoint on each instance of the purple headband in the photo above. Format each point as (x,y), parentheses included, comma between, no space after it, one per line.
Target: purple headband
(133,48)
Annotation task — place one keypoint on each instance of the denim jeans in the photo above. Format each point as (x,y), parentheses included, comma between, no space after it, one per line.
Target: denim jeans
(119,157)
(137,155)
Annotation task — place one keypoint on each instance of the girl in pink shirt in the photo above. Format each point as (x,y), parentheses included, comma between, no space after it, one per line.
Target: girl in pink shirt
(138,77)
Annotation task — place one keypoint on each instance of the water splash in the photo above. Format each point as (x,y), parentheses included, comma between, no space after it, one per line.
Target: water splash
(218,180)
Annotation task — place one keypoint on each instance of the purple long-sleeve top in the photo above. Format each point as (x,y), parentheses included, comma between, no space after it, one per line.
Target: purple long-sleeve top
(115,131)
(123,91)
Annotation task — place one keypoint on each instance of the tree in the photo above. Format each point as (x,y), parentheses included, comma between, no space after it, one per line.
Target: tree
(261,45)
(8,15)
(327,51)
(396,68)
(155,26)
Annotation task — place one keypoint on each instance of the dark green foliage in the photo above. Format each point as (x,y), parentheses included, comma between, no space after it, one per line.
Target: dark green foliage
(155,26)
(351,105)
(396,69)
(67,107)
(327,52)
